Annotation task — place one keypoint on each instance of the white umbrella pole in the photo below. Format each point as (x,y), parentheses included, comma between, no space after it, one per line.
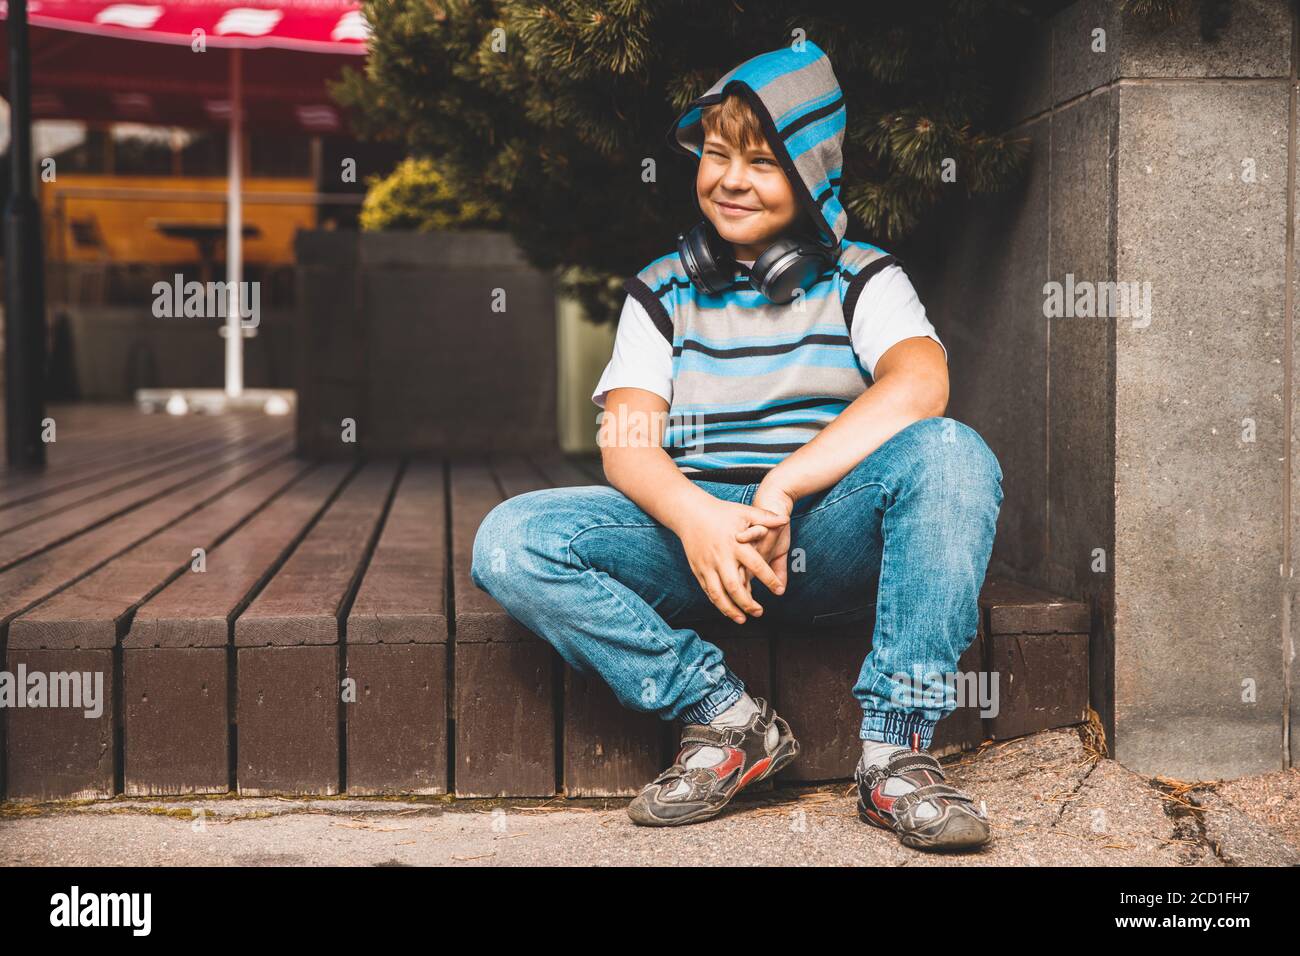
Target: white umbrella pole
(234,235)
(270,401)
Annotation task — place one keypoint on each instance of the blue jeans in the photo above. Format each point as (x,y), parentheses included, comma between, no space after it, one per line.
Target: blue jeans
(909,531)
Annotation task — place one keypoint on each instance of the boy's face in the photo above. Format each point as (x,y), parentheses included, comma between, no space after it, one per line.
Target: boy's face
(745,194)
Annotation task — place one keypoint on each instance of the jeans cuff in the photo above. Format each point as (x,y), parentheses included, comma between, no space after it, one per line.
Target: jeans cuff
(725,693)
(897,727)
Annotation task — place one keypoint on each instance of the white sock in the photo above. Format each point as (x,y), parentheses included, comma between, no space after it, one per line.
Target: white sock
(738,714)
(878,752)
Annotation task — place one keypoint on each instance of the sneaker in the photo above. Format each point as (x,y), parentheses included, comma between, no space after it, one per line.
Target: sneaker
(957,824)
(682,795)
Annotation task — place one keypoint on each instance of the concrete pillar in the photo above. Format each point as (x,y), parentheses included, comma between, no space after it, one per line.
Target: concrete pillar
(1148,460)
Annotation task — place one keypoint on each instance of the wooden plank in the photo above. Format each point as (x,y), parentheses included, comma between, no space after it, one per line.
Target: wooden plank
(32,489)
(403,595)
(86,454)
(748,655)
(397,726)
(1036,646)
(396,640)
(125,458)
(517,475)
(176,720)
(1013,608)
(479,618)
(94,610)
(24,585)
(609,749)
(592,466)
(114,434)
(121,424)
(504,686)
(287,713)
(302,603)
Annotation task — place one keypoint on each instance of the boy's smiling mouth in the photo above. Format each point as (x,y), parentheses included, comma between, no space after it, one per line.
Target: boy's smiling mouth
(733,210)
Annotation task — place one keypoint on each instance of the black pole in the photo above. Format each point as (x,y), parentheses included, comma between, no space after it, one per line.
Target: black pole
(24,268)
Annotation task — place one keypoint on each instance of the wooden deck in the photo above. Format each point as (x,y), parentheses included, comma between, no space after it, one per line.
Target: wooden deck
(332,640)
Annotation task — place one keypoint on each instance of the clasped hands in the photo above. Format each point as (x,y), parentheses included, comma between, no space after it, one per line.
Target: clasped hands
(728,544)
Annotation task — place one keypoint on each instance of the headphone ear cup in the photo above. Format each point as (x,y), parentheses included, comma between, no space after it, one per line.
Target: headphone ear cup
(771,256)
(785,267)
(703,259)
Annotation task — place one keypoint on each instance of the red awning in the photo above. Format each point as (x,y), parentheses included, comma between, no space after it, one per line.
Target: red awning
(137,62)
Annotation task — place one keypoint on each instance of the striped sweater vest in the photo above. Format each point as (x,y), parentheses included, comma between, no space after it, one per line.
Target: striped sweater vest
(753,381)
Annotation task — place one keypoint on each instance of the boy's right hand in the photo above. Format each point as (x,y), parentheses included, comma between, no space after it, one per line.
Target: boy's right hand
(719,561)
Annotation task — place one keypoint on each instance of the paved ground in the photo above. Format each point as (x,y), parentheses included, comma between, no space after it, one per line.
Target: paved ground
(1051,799)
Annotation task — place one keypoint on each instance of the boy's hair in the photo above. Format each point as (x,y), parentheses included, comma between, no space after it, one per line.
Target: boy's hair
(734,122)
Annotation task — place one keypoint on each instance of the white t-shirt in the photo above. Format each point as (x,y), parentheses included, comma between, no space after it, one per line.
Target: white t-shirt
(887,312)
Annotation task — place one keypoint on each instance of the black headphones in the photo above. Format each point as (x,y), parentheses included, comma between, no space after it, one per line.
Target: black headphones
(787,265)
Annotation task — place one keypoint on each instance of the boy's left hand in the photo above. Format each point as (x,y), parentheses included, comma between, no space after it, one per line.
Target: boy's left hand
(772,543)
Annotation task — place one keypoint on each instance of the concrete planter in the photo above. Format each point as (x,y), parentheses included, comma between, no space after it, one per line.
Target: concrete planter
(429,342)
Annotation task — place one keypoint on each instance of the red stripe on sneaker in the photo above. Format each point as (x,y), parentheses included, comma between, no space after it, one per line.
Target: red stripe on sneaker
(887,824)
(754,771)
(734,760)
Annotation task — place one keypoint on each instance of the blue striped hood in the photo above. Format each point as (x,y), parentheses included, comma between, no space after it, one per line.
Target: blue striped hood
(800,106)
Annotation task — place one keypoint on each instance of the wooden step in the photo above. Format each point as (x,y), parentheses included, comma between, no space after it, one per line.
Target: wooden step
(335,639)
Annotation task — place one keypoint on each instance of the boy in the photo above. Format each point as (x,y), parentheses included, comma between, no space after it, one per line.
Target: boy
(782,481)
